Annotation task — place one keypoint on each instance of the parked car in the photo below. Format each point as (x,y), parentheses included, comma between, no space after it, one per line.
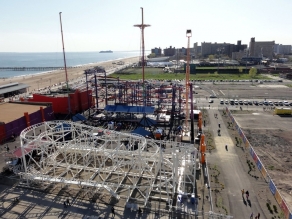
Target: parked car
(286,103)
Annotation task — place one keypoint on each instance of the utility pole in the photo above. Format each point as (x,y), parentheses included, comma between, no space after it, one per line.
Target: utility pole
(65,66)
(142,26)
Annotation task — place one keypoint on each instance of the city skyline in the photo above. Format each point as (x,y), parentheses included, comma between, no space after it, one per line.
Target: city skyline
(95,25)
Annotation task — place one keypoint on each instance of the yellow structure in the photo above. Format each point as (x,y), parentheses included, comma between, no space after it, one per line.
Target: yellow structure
(283,111)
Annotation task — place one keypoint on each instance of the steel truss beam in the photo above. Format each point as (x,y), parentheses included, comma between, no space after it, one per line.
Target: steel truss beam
(118,163)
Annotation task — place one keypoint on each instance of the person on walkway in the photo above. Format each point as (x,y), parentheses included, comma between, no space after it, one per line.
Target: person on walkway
(251,216)
(242,192)
(65,206)
(68,202)
(219,125)
(259,215)
(140,210)
(226,147)
(113,211)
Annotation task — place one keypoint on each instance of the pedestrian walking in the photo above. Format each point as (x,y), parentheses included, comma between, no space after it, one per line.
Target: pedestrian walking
(251,216)
(247,196)
(68,202)
(113,211)
(226,147)
(259,215)
(247,192)
(140,210)
(256,217)
(65,206)
(242,192)
(219,125)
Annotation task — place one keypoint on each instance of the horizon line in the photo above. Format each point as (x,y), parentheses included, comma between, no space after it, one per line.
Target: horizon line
(80,51)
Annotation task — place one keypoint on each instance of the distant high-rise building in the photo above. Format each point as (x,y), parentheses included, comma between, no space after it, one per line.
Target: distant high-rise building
(169,51)
(221,48)
(156,51)
(282,49)
(261,48)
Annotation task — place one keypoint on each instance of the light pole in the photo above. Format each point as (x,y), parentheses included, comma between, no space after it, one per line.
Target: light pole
(246,61)
(187,82)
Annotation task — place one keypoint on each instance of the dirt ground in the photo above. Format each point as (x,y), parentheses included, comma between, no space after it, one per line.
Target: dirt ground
(270,136)
(12,111)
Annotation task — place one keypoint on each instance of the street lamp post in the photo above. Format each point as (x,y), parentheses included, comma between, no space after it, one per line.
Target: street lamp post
(219,51)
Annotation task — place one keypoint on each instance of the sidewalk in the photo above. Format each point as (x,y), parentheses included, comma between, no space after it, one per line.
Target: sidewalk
(235,178)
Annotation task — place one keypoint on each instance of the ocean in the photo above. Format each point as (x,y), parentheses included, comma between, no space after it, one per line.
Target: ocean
(55,59)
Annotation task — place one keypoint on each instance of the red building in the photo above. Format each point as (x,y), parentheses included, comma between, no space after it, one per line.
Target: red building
(78,101)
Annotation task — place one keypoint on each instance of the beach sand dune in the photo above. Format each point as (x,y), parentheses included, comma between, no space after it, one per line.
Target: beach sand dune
(38,81)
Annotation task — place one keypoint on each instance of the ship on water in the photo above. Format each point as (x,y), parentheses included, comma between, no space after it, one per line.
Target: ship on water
(106,51)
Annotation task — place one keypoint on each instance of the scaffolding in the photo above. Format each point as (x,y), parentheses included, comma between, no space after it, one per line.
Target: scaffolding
(103,161)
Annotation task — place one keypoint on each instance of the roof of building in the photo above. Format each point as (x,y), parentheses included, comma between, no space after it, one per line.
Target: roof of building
(130,109)
(14,87)
(13,111)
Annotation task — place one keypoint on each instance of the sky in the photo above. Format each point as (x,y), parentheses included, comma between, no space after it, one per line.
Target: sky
(94,25)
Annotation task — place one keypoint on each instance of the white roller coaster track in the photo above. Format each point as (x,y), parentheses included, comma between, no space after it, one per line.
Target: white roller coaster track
(118,163)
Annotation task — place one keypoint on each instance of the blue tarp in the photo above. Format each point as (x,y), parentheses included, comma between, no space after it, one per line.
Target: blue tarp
(130,109)
(78,117)
(66,126)
(147,122)
(160,131)
(141,131)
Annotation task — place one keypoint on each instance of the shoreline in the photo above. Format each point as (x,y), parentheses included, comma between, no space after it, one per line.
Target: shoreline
(69,67)
(45,79)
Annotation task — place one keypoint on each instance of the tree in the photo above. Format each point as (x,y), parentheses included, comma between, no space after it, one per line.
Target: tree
(252,72)
(240,69)
(152,55)
(211,57)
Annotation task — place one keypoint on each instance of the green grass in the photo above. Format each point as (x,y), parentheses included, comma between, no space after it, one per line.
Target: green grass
(289,85)
(157,73)
(215,67)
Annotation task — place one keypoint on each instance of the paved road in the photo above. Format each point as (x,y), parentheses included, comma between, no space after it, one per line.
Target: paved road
(235,178)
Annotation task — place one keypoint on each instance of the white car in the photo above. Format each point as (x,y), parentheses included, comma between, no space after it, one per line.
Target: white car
(286,103)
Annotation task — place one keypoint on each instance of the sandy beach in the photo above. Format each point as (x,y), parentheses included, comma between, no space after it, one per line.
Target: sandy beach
(38,81)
